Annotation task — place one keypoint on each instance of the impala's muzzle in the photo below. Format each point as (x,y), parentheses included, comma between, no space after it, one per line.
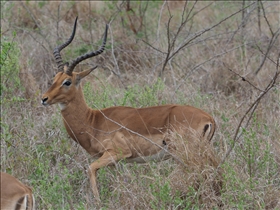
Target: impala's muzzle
(44,101)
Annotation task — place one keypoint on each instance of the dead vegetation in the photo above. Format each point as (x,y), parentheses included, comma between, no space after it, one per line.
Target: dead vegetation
(218,56)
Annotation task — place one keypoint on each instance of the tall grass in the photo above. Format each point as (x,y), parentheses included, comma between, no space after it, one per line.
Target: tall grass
(35,146)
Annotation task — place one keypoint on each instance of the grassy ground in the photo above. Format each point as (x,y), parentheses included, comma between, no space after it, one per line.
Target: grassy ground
(221,61)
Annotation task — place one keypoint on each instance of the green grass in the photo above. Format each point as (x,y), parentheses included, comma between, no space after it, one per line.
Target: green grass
(36,148)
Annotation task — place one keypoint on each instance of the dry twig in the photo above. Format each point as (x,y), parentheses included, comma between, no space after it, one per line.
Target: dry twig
(251,111)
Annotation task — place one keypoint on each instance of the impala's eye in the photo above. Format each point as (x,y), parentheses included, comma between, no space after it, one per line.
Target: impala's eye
(67,83)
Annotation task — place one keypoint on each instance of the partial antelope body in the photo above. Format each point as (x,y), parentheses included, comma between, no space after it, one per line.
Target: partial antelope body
(117,133)
(15,195)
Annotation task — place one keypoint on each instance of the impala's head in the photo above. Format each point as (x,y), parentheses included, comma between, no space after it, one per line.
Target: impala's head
(66,82)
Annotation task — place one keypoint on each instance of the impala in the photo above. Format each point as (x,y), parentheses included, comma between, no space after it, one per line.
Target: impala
(15,195)
(116,133)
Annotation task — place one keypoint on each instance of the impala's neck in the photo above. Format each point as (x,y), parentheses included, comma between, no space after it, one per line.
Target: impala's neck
(77,116)
(76,106)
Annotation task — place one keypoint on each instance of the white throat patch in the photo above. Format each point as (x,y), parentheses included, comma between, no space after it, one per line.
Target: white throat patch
(62,106)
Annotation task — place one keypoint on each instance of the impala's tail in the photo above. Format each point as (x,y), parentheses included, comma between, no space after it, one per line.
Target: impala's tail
(26,202)
(30,202)
(209,130)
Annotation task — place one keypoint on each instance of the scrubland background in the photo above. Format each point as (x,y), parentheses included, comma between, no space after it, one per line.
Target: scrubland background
(218,56)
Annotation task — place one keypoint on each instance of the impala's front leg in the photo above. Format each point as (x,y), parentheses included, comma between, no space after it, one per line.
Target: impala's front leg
(108,158)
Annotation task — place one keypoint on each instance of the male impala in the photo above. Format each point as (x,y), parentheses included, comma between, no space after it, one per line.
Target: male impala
(15,195)
(116,133)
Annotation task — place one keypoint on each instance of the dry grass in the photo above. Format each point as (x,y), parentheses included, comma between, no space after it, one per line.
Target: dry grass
(200,172)
(36,149)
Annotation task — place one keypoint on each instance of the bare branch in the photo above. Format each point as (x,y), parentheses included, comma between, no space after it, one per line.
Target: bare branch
(113,54)
(153,47)
(267,22)
(170,55)
(251,110)
(202,63)
(242,24)
(171,44)
(273,39)
(90,25)
(57,21)
(243,78)
(31,15)
(267,56)
(206,30)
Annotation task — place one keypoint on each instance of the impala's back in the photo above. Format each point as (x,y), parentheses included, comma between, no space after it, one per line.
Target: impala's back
(154,123)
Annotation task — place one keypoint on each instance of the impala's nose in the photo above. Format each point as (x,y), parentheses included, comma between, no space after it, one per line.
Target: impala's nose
(44,101)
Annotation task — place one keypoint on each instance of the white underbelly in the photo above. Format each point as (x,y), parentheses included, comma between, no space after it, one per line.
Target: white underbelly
(160,156)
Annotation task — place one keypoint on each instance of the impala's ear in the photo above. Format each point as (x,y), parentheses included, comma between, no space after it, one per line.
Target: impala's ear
(82,74)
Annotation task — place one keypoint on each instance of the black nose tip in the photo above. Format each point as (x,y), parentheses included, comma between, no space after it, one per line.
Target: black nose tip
(44,100)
